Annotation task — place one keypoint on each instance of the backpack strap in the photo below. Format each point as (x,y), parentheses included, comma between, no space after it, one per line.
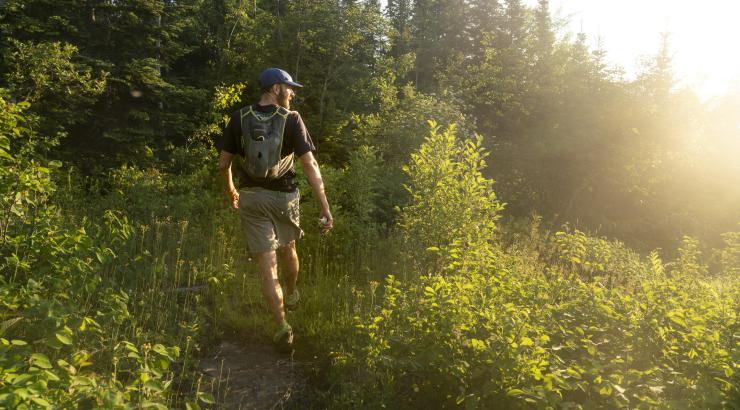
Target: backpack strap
(243,113)
(282,111)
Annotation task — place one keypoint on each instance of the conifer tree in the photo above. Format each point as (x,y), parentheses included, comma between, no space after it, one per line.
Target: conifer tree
(399,14)
(140,45)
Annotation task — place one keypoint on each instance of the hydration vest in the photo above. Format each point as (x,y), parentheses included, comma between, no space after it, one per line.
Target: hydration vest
(262,140)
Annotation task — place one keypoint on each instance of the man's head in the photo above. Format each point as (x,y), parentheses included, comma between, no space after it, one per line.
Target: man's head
(279,84)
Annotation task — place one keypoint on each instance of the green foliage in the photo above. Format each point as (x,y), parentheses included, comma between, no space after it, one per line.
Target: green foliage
(688,265)
(109,75)
(609,262)
(515,335)
(574,140)
(357,209)
(401,124)
(82,327)
(730,255)
(510,329)
(453,208)
(487,340)
(92,312)
(46,71)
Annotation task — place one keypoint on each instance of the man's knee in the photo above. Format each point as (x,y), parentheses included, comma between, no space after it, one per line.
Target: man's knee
(287,250)
(266,259)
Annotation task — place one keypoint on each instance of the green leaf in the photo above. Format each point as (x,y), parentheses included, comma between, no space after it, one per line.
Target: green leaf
(7,324)
(515,392)
(40,401)
(21,379)
(152,405)
(154,385)
(206,398)
(477,344)
(160,349)
(51,376)
(54,343)
(64,338)
(192,406)
(4,154)
(40,360)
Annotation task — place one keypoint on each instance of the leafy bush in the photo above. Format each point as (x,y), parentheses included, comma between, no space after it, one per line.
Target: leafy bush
(453,209)
(510,331)
(70,335)
(502,338)
(729,256)
(608,261)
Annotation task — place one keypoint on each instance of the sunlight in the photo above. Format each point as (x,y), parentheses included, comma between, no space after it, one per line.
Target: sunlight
(702,38)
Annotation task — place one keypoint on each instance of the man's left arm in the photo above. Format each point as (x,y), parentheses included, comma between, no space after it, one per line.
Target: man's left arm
(313,175)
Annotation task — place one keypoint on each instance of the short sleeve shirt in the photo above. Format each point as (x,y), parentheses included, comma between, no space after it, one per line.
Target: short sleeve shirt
(296,140)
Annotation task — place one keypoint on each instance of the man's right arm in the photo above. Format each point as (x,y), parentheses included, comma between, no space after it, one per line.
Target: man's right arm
(228,145)
(224,168)
(311,170)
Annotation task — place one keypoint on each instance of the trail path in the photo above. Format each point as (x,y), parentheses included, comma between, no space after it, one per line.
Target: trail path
(254,375)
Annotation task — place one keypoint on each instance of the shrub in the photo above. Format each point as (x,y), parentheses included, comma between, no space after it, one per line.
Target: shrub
(486,329)
(608,261)
(69,336)
(452,211)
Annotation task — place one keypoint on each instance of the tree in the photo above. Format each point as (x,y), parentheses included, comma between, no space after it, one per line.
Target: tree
(399,14)
(147,102)
(439,43)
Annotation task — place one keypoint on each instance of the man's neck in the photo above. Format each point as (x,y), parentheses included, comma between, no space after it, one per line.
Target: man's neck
(268,99)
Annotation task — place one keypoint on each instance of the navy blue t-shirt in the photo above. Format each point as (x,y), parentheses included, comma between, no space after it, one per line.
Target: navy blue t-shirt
(295,140)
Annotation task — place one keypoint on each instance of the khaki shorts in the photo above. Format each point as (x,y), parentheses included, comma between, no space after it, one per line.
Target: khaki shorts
(270,218)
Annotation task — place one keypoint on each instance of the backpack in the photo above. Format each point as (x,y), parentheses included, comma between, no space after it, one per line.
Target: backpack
(262,140)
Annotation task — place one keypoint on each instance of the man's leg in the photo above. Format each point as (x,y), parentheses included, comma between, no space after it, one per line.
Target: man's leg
(289,262)
(270,285)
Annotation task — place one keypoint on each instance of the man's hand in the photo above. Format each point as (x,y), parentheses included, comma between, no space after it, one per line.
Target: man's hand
(326,222)
(234,196)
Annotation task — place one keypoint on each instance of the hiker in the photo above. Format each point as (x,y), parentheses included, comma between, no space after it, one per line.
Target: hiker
(267,136)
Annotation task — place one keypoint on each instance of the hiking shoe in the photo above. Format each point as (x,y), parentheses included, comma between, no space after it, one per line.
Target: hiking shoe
(284,336)
(291,301)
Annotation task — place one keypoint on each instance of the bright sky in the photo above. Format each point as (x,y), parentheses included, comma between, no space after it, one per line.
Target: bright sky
(704,36)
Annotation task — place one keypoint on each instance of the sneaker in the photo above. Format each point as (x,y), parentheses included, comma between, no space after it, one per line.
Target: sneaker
(284,336)
(291,301)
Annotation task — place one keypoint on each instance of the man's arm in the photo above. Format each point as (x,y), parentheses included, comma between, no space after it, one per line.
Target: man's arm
(224,168)
(311,170)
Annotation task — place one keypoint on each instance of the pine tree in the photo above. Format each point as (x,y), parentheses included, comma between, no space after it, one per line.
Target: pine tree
(399,14)
(140,45)
(484,25)
(439,41)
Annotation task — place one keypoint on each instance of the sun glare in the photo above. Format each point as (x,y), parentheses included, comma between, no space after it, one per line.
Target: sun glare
(702,38)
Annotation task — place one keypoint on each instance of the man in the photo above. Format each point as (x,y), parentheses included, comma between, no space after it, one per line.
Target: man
(267,136)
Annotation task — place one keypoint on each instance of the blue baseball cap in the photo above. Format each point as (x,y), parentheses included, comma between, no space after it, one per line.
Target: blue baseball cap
(276,76)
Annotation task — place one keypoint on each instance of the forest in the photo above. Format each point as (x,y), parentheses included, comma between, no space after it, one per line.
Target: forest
(518,224)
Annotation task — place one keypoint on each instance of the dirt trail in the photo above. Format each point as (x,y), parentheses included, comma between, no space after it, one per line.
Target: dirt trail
(254,375)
